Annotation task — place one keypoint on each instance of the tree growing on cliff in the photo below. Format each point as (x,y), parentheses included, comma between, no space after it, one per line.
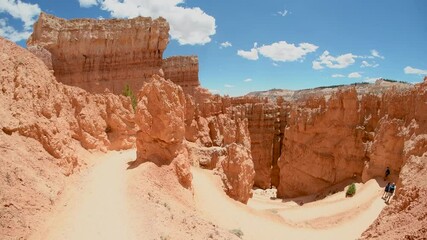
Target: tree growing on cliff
(351,190)
(127,91)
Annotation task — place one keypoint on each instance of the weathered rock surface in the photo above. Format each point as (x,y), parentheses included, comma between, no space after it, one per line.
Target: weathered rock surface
(217,137)
(160,117)
(99,54)
(43,126)
(184,71)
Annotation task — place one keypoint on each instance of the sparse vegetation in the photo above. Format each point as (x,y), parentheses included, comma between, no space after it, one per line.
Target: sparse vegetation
(128,93)
(237,232)
(351,190)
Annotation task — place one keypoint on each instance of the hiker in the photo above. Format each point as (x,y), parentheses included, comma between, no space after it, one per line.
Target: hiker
(387,172)
(391,192)
(386,190)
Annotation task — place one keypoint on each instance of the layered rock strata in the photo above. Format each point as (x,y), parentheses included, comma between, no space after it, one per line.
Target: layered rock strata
(184,71)
(99,54)
(328,141)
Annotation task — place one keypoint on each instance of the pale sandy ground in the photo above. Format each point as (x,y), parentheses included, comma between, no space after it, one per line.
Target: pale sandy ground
(335,217)
(98,206)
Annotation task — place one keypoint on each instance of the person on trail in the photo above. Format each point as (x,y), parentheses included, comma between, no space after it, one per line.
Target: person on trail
(387,172)
(391,192)
(386,190)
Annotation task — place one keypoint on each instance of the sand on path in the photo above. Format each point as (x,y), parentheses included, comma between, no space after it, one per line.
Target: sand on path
(332,217)
(97,207)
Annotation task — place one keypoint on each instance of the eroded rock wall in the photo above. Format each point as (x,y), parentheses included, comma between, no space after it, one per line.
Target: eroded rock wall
(160,117)
(184,71)
(348,136)
(99,54)
(44,125)
(36,106)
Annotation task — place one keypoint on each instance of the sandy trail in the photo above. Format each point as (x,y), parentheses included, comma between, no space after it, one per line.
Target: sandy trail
(267,219)
(98,206)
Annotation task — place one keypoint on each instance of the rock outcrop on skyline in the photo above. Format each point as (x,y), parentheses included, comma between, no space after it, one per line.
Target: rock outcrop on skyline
(109,54)
(99,54)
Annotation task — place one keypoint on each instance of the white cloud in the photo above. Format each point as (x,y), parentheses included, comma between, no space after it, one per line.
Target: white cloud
(279,51)
(187,25)
(411,70)
(284,13)
(375,53)
(338,76)
(285,52)
(25,12)
(327,60)
(275,64)
(11,33)
(354,75)
(366,64)
(214,91)
(87,3)
(225,44)
(251,54)
(228,86)
(248,80)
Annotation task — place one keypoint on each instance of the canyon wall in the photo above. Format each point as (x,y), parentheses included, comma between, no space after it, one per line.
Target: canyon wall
(99,54)
(182,70)
(109,54)
(45,126)
(348,136)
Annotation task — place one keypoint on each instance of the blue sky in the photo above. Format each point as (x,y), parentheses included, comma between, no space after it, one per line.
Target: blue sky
(248,45)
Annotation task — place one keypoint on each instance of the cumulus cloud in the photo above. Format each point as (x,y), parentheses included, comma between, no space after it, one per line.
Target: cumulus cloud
(87,3)
(25,12)
(225,44)
(248,80)
(354,75)
(376,54)
(327,60)
(187,25)
(251,54)
(285,52)
(366,64)
(279,51)
(411,70)
(338,76)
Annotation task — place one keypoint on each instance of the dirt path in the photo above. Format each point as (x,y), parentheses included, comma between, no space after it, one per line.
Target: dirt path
(267,219)
(98,206)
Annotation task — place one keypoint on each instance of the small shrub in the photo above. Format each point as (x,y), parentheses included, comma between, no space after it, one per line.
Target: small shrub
(351,190)
(128,93)
(237,232)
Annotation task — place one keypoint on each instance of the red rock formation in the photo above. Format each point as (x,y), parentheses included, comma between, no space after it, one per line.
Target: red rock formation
(99,54)
(184,71)
(43,126)
(160,117)
(38,107)
(405,217)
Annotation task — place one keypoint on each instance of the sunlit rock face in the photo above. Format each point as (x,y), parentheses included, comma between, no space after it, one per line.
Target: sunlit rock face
(99,54)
